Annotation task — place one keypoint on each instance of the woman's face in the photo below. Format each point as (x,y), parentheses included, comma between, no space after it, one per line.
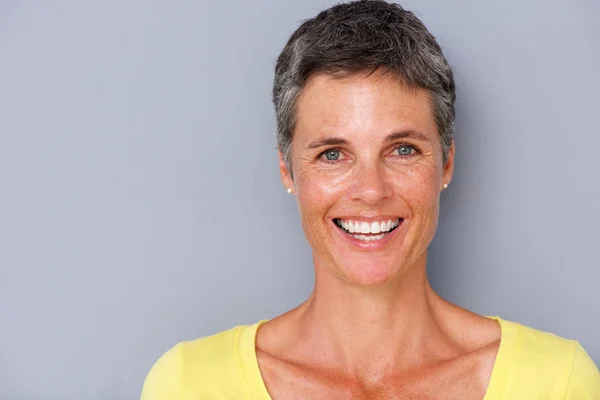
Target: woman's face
(367,172)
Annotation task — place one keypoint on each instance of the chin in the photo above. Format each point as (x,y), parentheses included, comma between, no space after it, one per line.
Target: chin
(369,274)
(370,271)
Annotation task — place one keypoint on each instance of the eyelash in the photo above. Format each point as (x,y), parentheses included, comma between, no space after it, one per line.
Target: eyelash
(415,151)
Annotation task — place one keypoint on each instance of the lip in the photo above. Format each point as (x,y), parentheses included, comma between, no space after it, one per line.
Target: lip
(371,244)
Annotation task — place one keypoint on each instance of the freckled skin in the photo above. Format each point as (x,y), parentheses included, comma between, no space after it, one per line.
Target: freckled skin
(373,327)
(368,178)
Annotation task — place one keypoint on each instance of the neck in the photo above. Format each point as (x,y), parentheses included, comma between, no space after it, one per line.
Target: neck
(382,328)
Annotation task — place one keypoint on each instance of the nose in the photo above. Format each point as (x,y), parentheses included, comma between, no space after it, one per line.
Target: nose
(371,184)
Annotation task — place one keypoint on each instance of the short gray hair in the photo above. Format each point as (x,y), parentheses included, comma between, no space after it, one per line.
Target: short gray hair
(363,36)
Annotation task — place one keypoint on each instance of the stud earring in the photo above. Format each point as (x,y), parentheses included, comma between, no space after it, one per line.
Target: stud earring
(290,190)
(445,186)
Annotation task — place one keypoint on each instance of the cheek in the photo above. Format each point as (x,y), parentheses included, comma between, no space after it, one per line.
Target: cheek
(420,188)
(317,190)
(313,199)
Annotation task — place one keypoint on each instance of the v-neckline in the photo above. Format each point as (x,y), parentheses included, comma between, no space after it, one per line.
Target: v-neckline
(257,389)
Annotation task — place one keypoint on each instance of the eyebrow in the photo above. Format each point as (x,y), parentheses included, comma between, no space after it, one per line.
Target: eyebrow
(327,141)
(407,134)
(338,141)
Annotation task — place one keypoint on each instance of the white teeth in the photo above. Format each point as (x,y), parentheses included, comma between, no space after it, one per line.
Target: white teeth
(375,228)
(369,238)
(365,227)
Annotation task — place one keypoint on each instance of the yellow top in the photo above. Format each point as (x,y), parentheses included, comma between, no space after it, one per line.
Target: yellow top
(530,365)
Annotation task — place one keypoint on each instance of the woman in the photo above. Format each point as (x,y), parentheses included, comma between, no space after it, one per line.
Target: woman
(365,111)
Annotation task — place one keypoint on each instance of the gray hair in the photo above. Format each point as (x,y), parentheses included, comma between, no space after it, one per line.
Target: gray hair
(363,37)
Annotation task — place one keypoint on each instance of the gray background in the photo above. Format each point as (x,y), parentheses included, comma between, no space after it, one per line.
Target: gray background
(140,198)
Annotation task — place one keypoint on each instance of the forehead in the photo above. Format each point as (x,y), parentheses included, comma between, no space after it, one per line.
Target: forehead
(373,104)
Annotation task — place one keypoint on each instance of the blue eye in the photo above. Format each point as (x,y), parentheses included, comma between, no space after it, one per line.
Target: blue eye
(405,151)
(332,155)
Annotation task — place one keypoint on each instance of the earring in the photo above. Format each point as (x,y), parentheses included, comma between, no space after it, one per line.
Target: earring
(290,190)
(445,186)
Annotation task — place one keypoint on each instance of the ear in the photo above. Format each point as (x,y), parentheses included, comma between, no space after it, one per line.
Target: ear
(286,176)
(449,167)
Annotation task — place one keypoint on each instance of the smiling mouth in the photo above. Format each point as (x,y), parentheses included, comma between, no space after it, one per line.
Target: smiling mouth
(367,231)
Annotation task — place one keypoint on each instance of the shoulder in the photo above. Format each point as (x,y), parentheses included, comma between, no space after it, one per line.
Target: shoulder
(584,382)
(537,346)
(550,363)
(205,366)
